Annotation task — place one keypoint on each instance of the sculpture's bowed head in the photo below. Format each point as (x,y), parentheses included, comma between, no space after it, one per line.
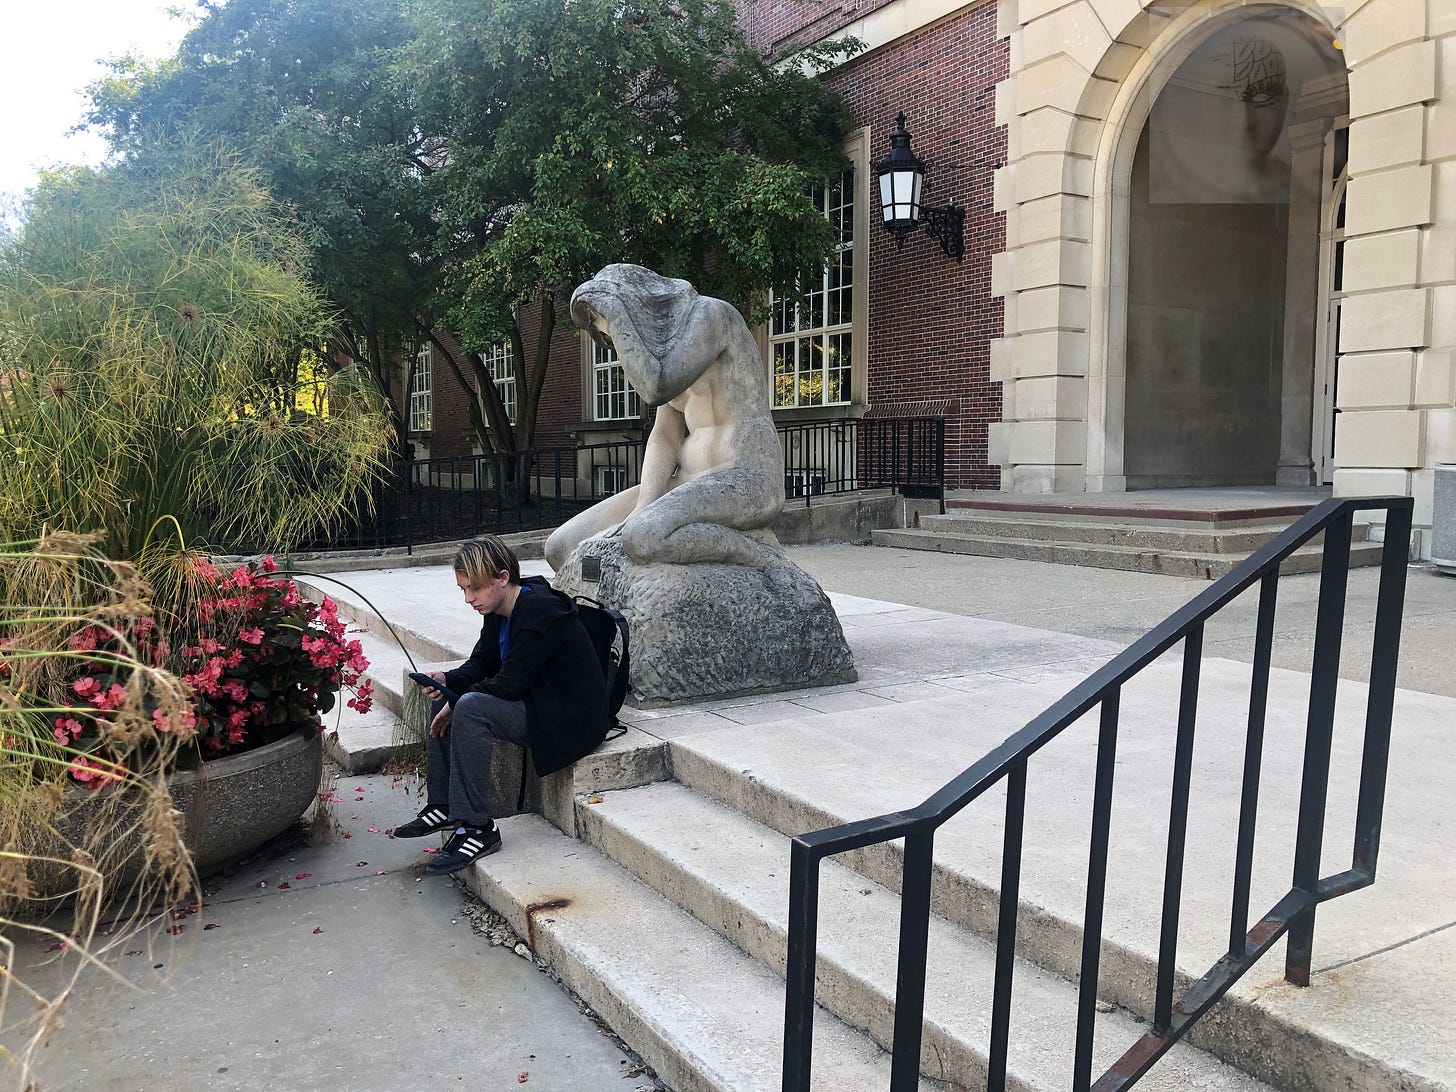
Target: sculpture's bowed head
(640,315)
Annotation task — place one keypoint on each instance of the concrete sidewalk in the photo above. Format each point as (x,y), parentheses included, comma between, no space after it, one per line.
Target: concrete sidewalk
(333,965)
(397,991)
(1121,606)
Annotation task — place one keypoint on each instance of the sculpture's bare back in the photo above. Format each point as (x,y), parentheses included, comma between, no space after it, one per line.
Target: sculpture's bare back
(712,475)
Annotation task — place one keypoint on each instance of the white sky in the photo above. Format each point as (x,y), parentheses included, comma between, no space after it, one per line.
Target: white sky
(49,51)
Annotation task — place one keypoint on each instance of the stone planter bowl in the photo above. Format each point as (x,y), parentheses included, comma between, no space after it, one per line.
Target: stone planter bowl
(235,804)
(230,807)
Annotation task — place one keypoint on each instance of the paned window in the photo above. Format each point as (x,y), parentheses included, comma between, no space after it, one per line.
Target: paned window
(613,398)
(421,398)
(811,342)
(500,362)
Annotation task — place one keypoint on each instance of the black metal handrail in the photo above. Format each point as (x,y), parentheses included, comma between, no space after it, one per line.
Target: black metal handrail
(1293,913)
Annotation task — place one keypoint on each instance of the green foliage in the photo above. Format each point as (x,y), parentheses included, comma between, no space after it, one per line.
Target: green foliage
(153,319)
(594,131)
(454,160)
(308,92)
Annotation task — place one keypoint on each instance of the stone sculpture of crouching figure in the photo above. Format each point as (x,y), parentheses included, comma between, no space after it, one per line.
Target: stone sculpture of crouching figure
(712,475)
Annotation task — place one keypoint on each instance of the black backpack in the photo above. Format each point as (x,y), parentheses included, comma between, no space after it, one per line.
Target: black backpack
(611,637)
(604,625)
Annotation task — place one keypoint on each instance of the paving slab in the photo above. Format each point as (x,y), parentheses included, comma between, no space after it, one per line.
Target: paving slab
(1121,606)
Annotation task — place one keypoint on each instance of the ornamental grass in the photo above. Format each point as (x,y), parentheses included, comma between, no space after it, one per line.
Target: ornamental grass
(91,848)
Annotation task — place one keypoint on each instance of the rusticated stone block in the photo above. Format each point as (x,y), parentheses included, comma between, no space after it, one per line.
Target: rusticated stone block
(714,630)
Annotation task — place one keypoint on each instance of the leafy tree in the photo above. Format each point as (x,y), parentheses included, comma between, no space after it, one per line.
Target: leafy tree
(309,93)
(585,132)
(465,163)
(153,324)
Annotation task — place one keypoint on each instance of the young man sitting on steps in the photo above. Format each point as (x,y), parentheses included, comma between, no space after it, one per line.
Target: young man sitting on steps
(533,678)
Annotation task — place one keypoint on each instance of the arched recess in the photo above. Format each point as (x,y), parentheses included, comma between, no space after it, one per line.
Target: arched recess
(1139,66)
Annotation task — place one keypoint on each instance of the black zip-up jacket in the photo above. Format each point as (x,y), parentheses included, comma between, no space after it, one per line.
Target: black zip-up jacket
(551,666)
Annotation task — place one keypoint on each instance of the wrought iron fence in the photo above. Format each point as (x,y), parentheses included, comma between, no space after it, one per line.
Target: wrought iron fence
(906,454)
(432,500)
(1293,913)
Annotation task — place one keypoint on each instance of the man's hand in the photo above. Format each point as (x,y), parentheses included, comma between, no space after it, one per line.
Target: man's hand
(441,724)
(439,677)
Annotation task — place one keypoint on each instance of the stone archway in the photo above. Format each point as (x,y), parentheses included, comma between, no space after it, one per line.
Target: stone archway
(1224,189)
(1076,111)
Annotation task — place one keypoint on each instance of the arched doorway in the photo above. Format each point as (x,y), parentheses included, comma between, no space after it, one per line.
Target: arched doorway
(1219,176)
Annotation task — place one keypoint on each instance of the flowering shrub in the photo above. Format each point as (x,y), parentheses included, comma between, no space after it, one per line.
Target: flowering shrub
(266,661)
(260,661)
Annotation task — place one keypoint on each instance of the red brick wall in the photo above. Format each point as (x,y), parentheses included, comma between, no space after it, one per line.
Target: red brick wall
(777,25)
(931,320)
(450,429)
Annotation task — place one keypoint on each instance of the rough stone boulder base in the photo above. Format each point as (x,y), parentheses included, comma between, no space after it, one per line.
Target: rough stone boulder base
(715,630)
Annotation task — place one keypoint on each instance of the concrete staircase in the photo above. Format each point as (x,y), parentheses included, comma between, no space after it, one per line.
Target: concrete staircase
(1202,548)
(654,879)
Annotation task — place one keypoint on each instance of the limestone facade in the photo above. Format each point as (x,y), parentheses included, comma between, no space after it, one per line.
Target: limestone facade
(1085,75)
(1299,331)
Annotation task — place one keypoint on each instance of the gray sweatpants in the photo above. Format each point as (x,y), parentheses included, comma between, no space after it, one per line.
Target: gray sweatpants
(457,764)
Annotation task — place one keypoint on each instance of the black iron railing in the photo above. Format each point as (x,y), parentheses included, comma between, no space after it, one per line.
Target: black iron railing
(906,454)
(1293,913)
(432,500)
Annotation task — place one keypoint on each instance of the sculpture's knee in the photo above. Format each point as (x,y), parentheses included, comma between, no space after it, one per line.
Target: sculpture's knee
(558,547)
(642,538)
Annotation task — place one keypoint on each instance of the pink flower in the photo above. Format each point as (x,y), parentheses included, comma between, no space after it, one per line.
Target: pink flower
(268,565)
(66,730)
(86,687)
(93,775)
(112,699)
(184,726)
(252,636)
(71,724)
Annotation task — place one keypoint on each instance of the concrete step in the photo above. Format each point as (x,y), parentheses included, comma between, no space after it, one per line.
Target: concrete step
(396,629)
(798,776)
(1202,566)
(1132,535)
(731,873)
(704,1015)
(1171,507)
(364,743)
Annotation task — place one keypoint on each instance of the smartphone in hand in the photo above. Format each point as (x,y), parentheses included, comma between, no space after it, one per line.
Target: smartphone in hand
(421,679)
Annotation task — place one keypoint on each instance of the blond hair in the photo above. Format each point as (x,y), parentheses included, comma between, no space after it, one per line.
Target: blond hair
(482,560)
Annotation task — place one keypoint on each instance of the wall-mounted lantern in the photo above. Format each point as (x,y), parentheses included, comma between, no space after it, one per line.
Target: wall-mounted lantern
(901,177)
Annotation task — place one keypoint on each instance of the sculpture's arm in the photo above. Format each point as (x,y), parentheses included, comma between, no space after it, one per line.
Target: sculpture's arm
(659,372)
(683,360)
(660,460)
